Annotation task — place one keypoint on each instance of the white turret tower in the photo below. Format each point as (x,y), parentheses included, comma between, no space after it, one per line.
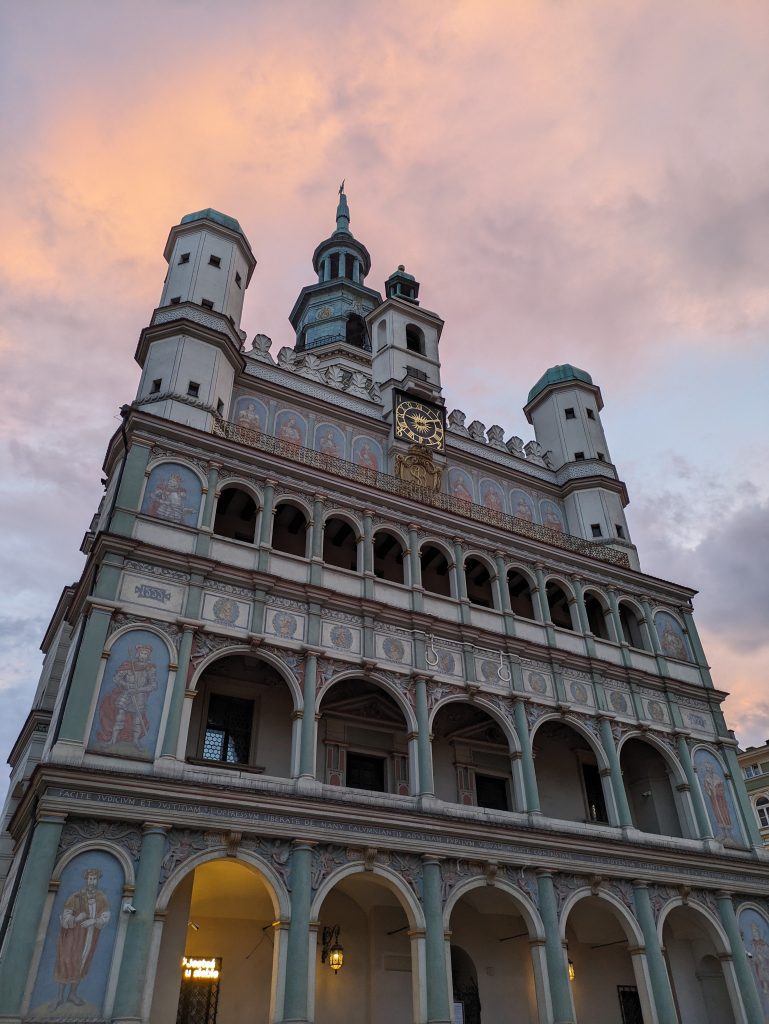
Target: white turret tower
(192,349)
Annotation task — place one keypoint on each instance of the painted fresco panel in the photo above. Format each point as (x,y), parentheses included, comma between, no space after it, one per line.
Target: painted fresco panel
(330,440)
(131,696)
(284,624)
(671,636)
(522,506)
(152,592)
(74,968)
(393,648)
(250,413)
(755,937)
(290,426)
(341,636)
(367,452)
(173,493)
(539,683)
(552,517)
(492,496)
(460,484)
(226,611)
(719,801)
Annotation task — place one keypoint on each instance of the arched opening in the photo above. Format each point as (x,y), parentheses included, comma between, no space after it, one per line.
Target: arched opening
(235,515)
(488,930)
(649,789)
(631,625)
(762,811)
(568,777)
(436,576)
(355,331)
(289,530)
(241,718)
(521,600)
(696,972)
(558,605)
(388,557)
(340,545)
(222,912)
(596,616)
(605,985)
(378,979)
(478,580)
(471,758)
(415,339)
(363,739)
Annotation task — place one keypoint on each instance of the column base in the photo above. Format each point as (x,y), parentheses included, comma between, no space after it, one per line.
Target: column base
(307,785)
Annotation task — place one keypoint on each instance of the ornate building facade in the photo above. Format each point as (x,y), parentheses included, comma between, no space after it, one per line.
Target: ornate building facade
(360,713)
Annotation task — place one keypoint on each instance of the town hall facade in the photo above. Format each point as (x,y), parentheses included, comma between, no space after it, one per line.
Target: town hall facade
(362,712)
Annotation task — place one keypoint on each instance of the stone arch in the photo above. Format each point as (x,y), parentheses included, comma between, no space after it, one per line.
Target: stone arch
(572,770)
(242,508)
(656,806)
(522,601)
(346,517)
(296,500)
(287,536)
(387,877)
(505,724)
(441,583)
(648,736)
(579,727)
(174,461)
(629,924)
(147,627)
(717,933)
(523,903)
(260,654)
(631,604)
(242,485)
(483,590)
(391,562)
(379,680)
(103,846)
(342,549)
(553,583)
(599,618)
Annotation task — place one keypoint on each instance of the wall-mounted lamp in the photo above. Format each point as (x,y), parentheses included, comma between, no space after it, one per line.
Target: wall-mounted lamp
(571,970)
(195,927)
(332,951)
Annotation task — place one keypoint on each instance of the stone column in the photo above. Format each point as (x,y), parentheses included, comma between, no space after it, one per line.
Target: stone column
(615,621)
(75,712)
(131,483)
(175,705)
(658,974)
(541,595)
(296,997)
(579,591)
(530,787)
(138,936)
(701,815)
(438,1010)
(307,742)
(316,540)
(747,982)
(266,524)
(424,746)
(557,969)
(459,571)
(203,539)
(367,546)
(617,782)
(415,566)
(27,910)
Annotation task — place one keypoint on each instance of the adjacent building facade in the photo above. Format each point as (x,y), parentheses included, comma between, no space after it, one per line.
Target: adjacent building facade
(361,712)
(754,762)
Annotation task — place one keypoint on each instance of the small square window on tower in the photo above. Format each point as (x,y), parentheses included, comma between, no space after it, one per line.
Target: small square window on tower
(620,531)
(214,261)
(208,303)
(193,389)
(176,300)
(569,414)
(579,456)
(595,529)
(238,279)
(156,386)
(220,406)
(184,258)
(601,456)
(590,414)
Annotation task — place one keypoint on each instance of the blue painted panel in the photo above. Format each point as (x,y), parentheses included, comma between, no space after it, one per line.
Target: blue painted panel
(671,635)
(755,937)
(329,440)
(719,801)
(290,426)
(173,493)
(522,506)
(250,413)
(367,452)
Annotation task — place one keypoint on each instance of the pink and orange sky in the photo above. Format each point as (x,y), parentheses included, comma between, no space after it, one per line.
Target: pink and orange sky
(582,182)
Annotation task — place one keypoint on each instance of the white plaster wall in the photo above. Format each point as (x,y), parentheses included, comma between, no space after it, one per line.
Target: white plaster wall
(197,279)
(564,437)
(597,974)
(559,781)
(444,772)
(168,975)
(273,738)
(391,359)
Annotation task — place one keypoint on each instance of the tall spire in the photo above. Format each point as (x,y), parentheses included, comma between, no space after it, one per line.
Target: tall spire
(342,211)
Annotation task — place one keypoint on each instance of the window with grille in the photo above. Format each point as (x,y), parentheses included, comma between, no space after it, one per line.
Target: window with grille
(762,810)
(228,729)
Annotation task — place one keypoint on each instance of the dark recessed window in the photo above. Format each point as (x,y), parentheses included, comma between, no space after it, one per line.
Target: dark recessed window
(184,258)
(228,729)
(601,456)
(569,414)
(595,529)
(238,279)
(491,792)
(220,406)
(176,300)
(208,303)
(590,414)
(214,261)
(193,389)
(365,772)
(156,386)
(620,531)
(579,456)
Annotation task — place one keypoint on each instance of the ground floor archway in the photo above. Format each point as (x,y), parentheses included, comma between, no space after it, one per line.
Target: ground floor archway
(700,979)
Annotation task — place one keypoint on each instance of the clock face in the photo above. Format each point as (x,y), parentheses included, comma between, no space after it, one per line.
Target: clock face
(418,423)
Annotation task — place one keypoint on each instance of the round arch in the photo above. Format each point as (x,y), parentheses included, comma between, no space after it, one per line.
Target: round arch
(181,461)
(490,709)
(238,484)
(715,928)
(346,517)
(577,726)
(523,903)
(259,655)
(441,546)
(147,627)
(371,677)
(565,586)
(395,531)
(648,736)
(523,572)
(386,876)
(297,502)
(92,846)
(630,926)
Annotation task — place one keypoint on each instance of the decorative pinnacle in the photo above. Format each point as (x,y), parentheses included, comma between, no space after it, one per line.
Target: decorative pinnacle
(342,211)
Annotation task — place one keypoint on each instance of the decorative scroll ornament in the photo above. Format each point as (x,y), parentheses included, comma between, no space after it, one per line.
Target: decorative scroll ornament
(417,467)
(85,830)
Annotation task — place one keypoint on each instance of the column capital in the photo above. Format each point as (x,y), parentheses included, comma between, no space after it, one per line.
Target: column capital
(155,828)
(432,858)
(304,844)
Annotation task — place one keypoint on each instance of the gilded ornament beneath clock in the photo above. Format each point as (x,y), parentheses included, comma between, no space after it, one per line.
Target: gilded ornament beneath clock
(418,468)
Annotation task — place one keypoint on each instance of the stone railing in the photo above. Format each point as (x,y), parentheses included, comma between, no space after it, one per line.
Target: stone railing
(423,495)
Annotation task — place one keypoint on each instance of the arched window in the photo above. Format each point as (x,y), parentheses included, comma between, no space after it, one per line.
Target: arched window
(568,775)
(596,617)
(478,580)
(289,530)
(355,331)
(649,787)
(631,626)
(762,810)
(435,571)
(520,595)
(388,557)
(415,339)
(558,605)
(235,515)
(340,545)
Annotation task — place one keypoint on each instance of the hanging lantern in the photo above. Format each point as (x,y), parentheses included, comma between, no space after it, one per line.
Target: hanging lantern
(571,970)
(335,957)
(332,951)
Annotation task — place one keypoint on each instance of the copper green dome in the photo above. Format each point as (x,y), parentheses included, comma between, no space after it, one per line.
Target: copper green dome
(559,375)
(216,217)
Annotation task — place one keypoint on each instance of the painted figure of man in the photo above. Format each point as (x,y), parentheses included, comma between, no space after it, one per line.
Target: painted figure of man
(248,417)
(84,915)
(366,457)
(169,498)
(760,963)
(290,431)
(123,713)
(716,792)
(672,644)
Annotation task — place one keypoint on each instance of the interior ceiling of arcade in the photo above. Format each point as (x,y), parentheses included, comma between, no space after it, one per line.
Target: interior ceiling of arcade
(226,889)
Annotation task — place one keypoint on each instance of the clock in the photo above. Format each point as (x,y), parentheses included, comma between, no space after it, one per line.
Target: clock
(418,422)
